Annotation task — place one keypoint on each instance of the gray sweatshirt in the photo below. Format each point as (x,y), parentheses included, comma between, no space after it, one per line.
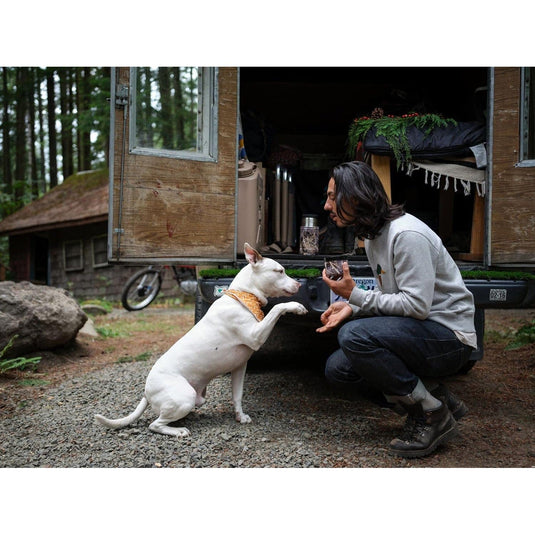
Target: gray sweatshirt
(416,277)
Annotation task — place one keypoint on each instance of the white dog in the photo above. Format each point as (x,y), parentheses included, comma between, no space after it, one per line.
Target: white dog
(221,342)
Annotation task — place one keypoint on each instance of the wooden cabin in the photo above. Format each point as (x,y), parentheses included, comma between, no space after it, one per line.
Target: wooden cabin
(61,240)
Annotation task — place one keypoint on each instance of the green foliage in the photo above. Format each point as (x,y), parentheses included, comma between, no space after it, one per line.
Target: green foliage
(33,382)
(497,275)
(142,357)
(17,363)
(513,338)
(525,335)
(3,351)
(310,273)
(107,332)
(4,250)
(218,273)
(394,130)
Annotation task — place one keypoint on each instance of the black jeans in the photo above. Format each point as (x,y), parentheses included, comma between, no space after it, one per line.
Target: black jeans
(388,354)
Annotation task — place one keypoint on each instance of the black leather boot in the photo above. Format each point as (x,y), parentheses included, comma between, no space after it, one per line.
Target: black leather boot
(423,431)
(456,406)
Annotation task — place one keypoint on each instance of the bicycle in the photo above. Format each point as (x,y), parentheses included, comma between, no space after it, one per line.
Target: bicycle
(142,288)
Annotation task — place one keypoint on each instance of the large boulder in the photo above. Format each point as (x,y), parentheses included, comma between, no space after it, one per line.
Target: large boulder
(43,317)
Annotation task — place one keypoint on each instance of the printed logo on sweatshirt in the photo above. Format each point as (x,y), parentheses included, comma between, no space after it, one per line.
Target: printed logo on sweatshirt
(379,272)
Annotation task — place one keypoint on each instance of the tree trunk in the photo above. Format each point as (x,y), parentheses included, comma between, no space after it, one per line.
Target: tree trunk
(66,123)
(6,139)
(166,112)
(84,119)
(106,75)
(147,118)
(179,108)
(34,185)
(52,137)
(20,135)
(42,170)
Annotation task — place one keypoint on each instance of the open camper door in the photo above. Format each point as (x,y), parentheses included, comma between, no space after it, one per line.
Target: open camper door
(173,165)
(512,181)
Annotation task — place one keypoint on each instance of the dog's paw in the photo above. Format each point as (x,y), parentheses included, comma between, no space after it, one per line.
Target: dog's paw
(297,308)
(243,418)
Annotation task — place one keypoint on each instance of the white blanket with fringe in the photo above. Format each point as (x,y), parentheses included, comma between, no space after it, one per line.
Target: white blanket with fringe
(440,174)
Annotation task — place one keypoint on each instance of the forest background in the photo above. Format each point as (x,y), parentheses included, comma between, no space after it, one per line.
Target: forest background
(55,122)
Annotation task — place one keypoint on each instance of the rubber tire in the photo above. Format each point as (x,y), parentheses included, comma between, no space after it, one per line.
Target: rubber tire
(201,306)
(467,367)
(134,281)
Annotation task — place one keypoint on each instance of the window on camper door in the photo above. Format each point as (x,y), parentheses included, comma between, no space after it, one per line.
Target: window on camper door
(174,112)
(527,118)
(100,251)
(73,254)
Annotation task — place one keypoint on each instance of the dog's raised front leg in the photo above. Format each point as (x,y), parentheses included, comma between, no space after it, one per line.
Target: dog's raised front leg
(237,377)
(261,330)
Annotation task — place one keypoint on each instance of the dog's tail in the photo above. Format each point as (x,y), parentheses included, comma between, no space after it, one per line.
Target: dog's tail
(123,422)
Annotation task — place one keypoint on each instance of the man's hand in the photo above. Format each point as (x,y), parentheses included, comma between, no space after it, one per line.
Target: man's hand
(344,286)
(334,316)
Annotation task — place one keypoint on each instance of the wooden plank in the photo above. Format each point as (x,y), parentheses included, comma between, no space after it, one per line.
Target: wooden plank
(513,188)
(381,166)
(478,232)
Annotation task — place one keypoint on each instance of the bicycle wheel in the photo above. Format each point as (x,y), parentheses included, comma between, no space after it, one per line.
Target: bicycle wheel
(141,289)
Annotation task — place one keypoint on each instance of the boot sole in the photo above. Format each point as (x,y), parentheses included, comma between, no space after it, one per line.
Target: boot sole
(442,439)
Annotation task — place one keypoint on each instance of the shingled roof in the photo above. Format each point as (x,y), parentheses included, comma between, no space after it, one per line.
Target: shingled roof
(80,199)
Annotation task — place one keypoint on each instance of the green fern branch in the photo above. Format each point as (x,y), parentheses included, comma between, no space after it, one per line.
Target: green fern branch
(394,130)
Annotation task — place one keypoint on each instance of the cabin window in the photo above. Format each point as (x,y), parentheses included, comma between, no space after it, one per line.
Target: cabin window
(173,112)
(527,118)
(73,254)
(100,251)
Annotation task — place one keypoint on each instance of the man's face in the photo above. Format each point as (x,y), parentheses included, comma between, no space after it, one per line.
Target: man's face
(330,204)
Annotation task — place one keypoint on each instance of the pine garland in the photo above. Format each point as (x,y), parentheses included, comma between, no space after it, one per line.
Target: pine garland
(394,130)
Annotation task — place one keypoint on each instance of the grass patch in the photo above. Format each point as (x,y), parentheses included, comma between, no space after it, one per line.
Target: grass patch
(142,357)
(108,332)
(524,336)
(513,338)
(33,382)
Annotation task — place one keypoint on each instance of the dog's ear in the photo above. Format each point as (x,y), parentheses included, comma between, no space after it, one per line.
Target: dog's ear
(252,255)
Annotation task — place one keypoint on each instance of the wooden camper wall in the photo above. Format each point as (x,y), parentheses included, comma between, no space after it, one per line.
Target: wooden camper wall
(512,213)
(176,209)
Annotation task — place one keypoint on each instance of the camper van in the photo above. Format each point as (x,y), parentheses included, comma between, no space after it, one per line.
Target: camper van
(206,158)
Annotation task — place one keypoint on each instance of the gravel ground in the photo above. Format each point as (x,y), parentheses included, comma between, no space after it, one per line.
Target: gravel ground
(59,430)
(297,420)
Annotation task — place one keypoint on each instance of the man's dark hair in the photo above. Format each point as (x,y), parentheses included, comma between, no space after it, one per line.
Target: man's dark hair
(361,199)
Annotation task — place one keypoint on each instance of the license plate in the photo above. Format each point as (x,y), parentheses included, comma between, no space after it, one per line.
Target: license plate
(364,283)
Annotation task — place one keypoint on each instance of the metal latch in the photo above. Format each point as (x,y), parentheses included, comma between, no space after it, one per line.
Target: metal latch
(121,96)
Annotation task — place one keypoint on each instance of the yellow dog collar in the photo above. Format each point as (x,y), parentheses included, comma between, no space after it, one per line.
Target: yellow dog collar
(249,301)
